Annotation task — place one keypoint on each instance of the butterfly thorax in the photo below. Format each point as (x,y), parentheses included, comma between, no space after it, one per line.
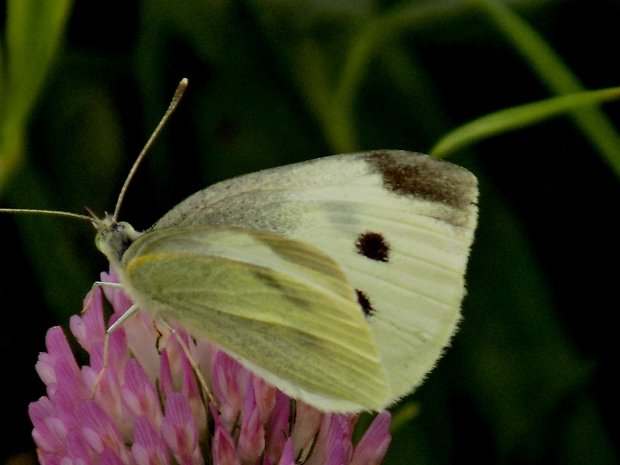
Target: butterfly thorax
(114,237)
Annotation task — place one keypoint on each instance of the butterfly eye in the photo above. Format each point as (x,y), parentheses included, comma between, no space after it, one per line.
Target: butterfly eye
(99,242)
(373,245)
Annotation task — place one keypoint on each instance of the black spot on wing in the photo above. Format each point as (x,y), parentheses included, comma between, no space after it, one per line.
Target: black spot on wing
(373,245)
(364,302)
(424,177)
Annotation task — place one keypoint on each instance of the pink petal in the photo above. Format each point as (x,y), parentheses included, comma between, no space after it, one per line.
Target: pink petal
(307,422)
(139,329)
(180,431)
(78,450)
(227,381)
(142,341)
(166,383)
(66,407)
(139,395)
(117,298)
(49,431)
(98,429)
(288,454)
(190,389)
(251,441)
(45,368)
(265,395)
(107,394)
(89,327)
(149,447)
(278,427)
(41,409)
(328,445)
(57,349)
(339,448)
(374,444)
(109,457)
(118,352)
(223,448)
(68,380)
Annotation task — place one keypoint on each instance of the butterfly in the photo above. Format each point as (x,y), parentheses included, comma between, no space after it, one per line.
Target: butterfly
(339,280)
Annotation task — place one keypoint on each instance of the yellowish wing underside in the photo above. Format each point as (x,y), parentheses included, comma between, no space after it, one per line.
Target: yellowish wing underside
(283,307)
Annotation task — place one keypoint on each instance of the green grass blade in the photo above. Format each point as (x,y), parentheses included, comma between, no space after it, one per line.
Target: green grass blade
(33,32)
(557,77)
(363,48)
(521,116)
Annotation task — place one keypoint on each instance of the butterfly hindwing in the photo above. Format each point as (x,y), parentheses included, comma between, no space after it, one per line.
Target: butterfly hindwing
(281,306)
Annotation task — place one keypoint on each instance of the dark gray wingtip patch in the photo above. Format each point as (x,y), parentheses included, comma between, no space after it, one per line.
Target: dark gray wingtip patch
(422,176)
(373,245)
(365,303)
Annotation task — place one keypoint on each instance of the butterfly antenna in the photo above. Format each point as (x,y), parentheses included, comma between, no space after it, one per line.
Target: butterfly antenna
(173,105)
(32,211)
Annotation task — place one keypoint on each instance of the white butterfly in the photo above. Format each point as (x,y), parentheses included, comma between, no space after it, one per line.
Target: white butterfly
(339,280)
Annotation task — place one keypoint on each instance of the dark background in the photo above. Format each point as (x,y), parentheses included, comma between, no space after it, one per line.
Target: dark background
(528,377)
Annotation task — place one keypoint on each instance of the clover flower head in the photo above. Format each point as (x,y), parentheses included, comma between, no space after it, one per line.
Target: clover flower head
(140,401)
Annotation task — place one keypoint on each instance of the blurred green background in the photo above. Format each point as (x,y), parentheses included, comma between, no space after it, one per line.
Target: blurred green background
(82,84)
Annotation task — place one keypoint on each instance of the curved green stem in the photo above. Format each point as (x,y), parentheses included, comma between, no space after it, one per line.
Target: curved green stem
(558,78)
(361,52)
(519,117)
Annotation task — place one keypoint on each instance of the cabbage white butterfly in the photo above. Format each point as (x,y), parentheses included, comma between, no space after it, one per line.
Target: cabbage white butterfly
(339,280)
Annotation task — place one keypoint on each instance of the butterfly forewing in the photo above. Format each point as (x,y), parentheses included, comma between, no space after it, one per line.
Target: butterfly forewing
(398,224)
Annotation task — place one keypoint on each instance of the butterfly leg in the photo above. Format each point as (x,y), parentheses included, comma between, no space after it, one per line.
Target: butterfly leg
(106,341)
(124,317)
(104,367)
(206,392)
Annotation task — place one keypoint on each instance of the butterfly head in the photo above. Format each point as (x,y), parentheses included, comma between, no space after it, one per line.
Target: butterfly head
(113,237)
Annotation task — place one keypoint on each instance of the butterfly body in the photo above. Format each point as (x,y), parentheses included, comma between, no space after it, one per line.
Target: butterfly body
(339,279)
